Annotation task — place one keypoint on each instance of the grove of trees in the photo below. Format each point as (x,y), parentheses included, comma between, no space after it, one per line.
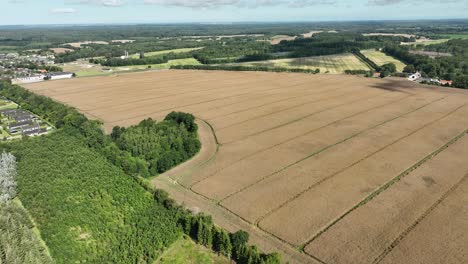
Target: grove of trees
(161,144)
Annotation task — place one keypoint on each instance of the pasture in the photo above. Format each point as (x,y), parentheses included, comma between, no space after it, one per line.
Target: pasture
(162,52)
(335,168)
(327,64)
(381,58)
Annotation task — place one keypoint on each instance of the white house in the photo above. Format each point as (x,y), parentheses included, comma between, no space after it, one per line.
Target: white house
(415,77)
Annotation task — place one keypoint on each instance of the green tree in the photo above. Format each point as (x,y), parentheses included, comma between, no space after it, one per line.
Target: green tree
(389,67)
(409,69)
(461,81)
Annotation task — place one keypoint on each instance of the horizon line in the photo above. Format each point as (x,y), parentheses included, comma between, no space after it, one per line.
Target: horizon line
(232,22)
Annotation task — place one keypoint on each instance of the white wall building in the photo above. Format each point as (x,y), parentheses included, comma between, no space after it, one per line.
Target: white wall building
(60,75)
(29,79)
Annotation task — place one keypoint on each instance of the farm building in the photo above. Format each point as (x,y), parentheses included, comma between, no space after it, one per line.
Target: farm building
(28,79)
(37,132)
(59,75)
(20,126)
(446,82)
(18,115)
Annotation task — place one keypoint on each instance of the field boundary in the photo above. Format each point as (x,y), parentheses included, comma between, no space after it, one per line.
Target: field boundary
(167,182)
(209,149)
(419,220)
(390,183)
(331,146)
(308,132)
(192,104)
(291,107)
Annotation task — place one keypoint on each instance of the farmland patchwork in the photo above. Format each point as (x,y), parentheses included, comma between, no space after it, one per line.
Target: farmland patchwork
(324,168)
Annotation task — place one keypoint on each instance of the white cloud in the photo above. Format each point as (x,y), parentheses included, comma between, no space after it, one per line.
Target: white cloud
(419,2)
(238,3)
(99,2)
(62,11)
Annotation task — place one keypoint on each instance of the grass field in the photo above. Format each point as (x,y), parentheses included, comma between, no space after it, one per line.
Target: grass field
(349,169)
(186,251)
(426,42)
(381,58)
(162,52)
(456,36)
(83,68)
(189,61)
(327,64)
(7,105)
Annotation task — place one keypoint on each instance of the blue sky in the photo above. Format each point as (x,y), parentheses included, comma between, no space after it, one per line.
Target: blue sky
(15,12)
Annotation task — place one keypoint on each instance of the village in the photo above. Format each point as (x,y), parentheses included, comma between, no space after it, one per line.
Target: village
(30,68)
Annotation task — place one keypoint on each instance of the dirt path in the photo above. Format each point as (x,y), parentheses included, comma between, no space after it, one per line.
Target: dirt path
(168,182)
(208,150)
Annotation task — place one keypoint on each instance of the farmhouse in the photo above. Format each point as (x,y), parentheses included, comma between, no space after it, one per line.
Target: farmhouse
(446,82)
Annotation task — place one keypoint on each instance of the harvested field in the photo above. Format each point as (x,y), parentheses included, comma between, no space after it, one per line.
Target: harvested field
(79,44)
(327,64)
(60,50)
(163,52)
(370,169)
(278,38)
(381,58)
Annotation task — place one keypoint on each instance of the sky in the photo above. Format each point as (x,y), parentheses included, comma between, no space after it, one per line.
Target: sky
(32,12)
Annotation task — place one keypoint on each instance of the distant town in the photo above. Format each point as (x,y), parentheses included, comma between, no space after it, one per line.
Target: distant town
(30,68)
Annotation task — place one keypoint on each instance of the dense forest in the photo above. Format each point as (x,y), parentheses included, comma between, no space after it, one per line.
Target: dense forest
(18,242)
(73,184)
(231,51)
(332,43)
(86,208)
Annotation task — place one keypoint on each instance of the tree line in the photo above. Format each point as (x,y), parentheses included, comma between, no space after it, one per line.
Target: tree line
(202,230)
(73,183)
(114,62)
(243,68)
